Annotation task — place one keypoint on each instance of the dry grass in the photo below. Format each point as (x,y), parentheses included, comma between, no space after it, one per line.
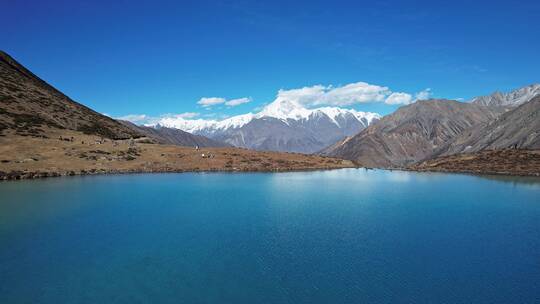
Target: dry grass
(505,162)
(31,157)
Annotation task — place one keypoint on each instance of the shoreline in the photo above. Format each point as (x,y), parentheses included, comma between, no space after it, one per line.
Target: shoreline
(471,172)
(32,158)
(22,175)
(31,175)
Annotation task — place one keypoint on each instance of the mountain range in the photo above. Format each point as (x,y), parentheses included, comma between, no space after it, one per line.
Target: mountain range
(283,125)
(513,98)
(172,136)
(416,134)
(435,128)
(517,128)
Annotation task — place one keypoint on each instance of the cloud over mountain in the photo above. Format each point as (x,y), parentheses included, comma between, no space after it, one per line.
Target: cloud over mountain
(238,101)
(405,98)
(212,101)
(304,119)
(398,98)
(347,95)
(338,96)
(300,99)
(318,95)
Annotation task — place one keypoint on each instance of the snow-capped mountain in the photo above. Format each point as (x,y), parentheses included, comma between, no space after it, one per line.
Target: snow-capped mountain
(513,98)
(283,125)
(204,126)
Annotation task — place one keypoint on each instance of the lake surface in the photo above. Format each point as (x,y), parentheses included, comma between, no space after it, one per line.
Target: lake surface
(343,236)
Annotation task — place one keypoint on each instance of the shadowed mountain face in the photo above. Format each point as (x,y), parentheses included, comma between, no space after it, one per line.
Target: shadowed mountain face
(177,137)
(28,106)
(412,133)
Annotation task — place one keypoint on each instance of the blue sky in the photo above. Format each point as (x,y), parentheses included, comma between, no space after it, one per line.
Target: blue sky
(157,57)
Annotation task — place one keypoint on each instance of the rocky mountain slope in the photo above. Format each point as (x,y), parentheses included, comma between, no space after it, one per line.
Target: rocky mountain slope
(29,106)
(412,133)
(518,128)
(437,132)
(170,136)
(281,126)
(513,98)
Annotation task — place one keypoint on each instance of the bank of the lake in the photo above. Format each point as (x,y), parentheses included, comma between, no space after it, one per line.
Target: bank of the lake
(23,157)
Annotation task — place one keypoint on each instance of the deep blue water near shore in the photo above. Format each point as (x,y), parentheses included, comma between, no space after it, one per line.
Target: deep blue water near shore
(344,236)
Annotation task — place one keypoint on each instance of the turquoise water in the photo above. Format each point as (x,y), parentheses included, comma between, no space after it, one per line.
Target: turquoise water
(344,236)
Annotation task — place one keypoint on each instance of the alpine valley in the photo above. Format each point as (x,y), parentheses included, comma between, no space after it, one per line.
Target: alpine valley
(44,133)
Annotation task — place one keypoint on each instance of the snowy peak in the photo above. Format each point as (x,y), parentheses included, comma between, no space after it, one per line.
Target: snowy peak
(284,109)
(281,109)
(337,114)
(513,98)
(203,126)
(283,125)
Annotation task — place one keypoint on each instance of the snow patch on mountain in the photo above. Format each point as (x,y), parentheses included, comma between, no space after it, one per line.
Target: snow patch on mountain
(203,125)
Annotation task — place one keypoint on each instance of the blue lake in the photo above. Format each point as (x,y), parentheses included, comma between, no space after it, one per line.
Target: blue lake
(343,236)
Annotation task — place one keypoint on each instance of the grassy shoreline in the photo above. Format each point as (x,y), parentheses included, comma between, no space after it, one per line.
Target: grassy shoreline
(34,157)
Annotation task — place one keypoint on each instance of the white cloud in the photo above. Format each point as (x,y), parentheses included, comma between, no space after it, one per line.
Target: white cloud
(305,97)
(319,95)
(353,93)
(359,92)
(425,94)
(405,98)
(238,101)
(211,101)
(398,98)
